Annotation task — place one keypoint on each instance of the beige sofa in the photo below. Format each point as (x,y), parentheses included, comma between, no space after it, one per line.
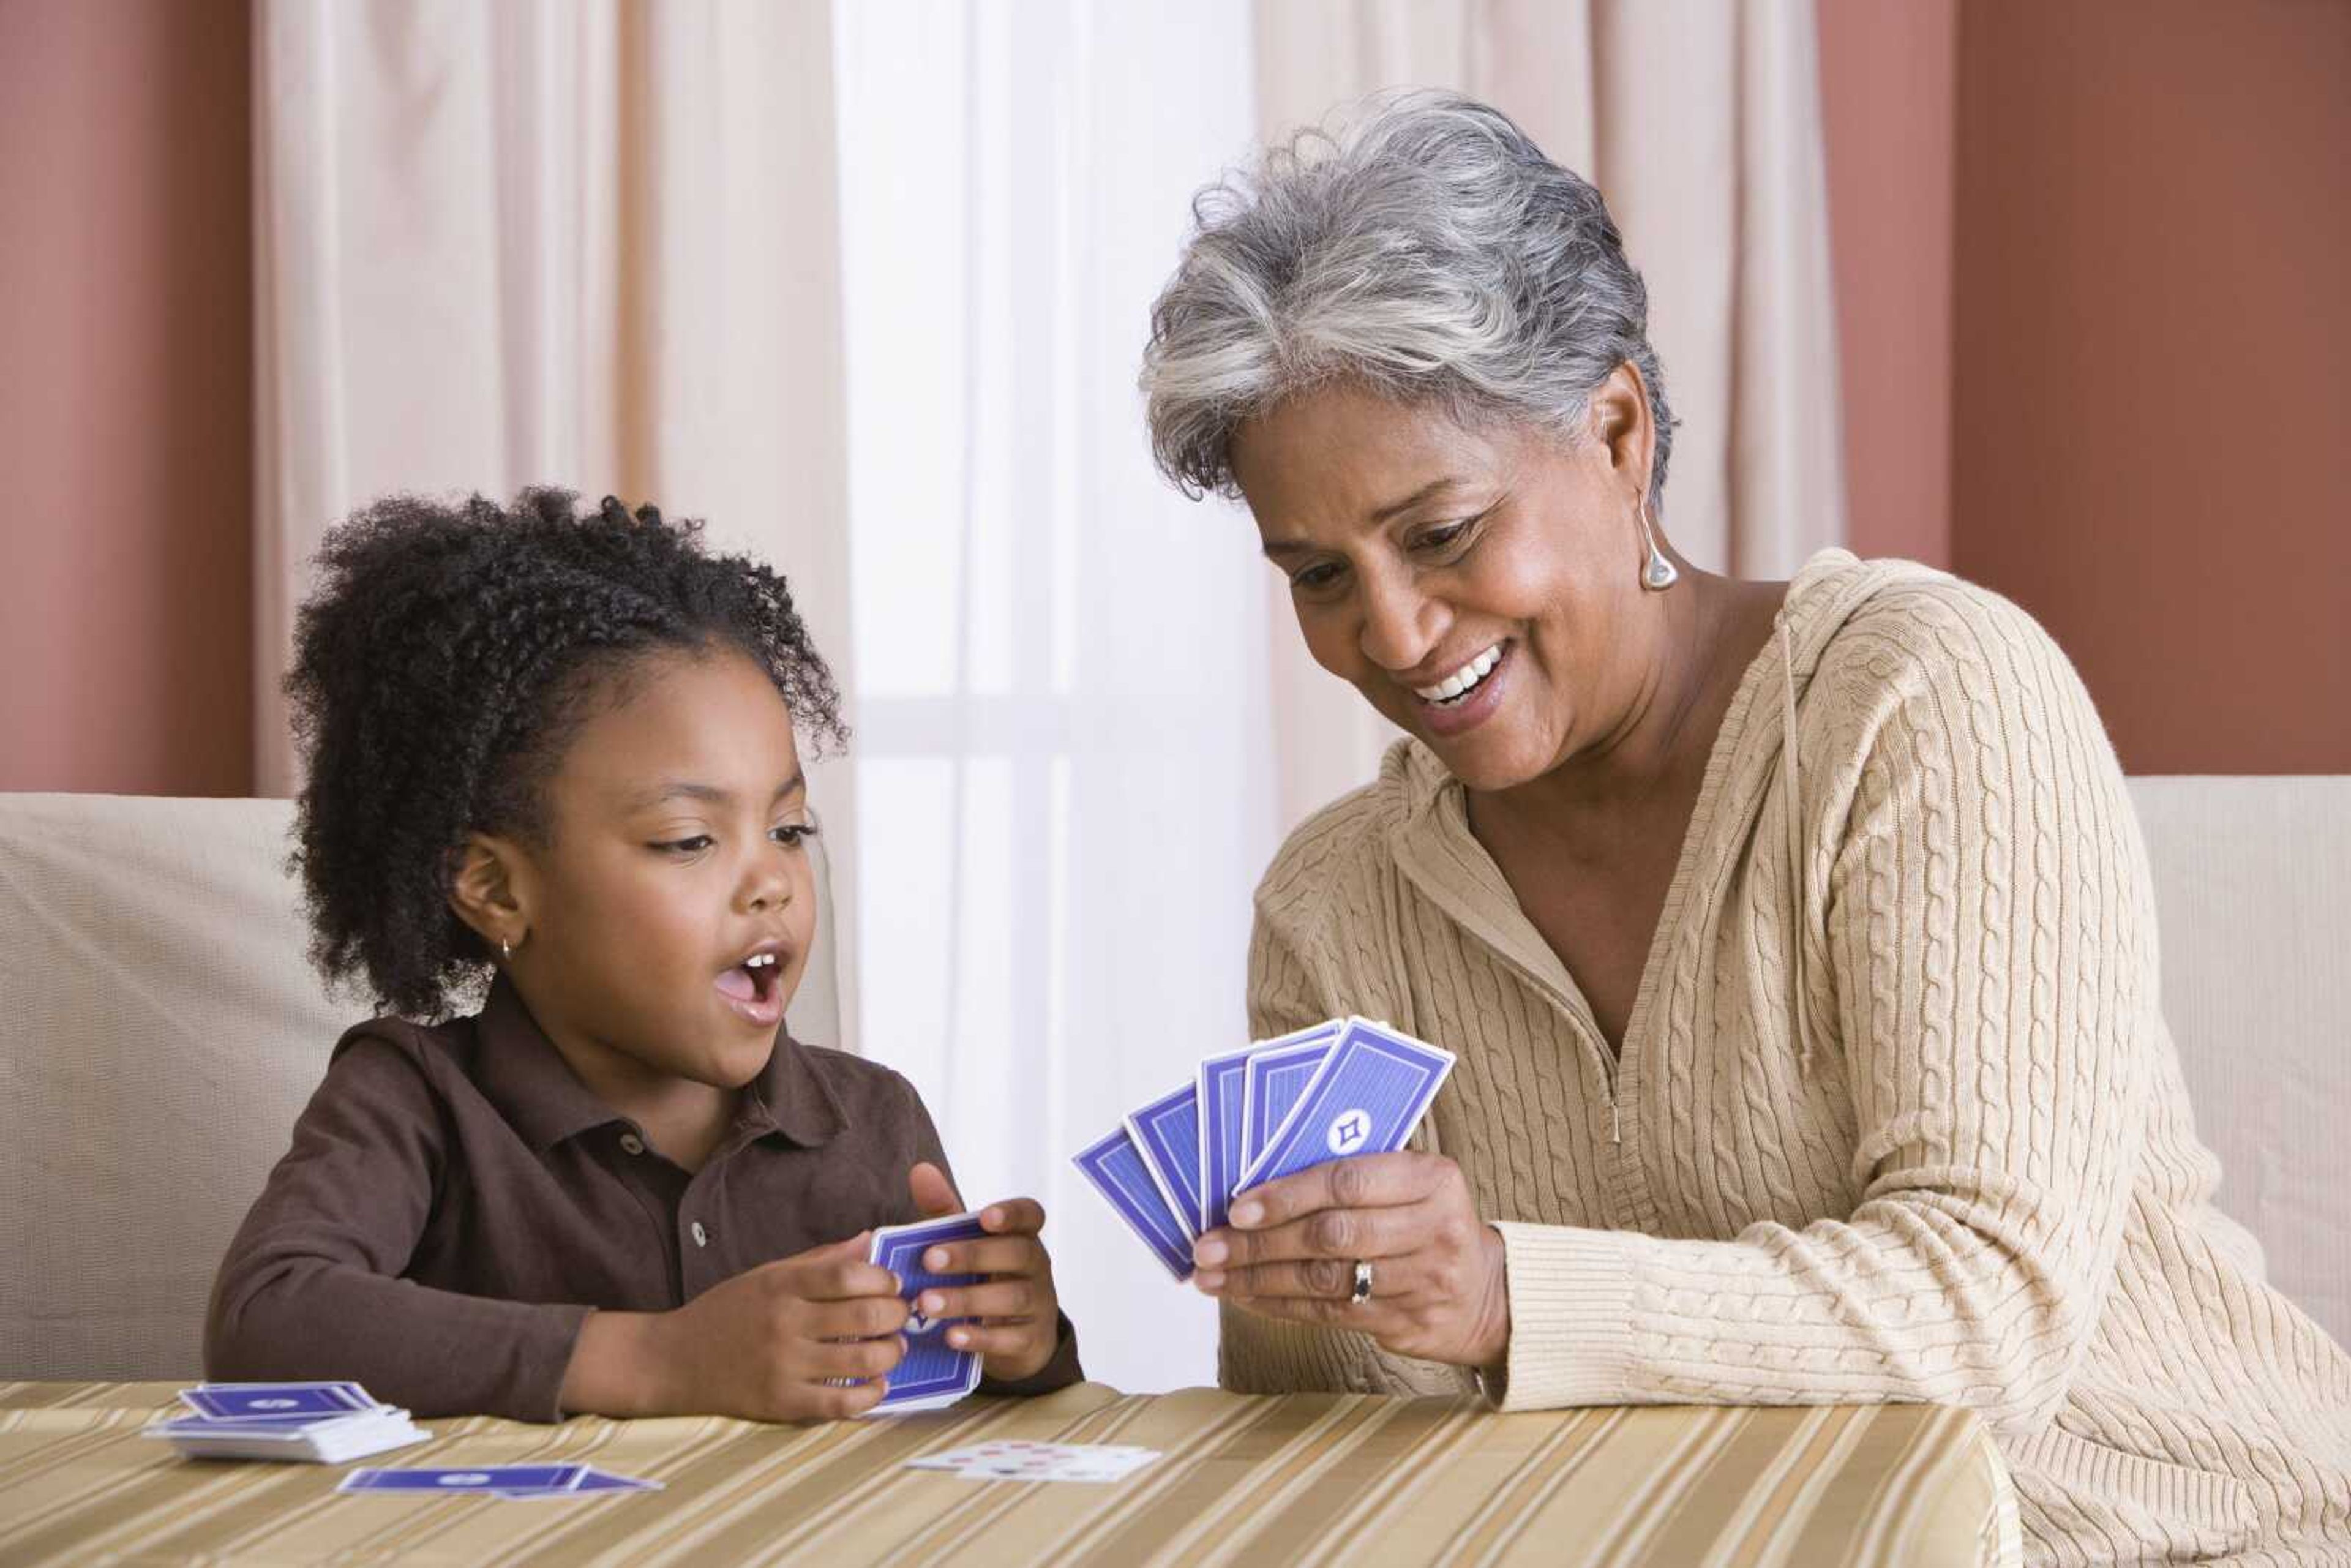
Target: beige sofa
(159,1028)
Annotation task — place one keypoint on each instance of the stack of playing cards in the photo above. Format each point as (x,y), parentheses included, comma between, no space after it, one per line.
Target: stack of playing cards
(497,1481)
(324,1423)
(1024,1461)
(932,1374)
(1269,1110)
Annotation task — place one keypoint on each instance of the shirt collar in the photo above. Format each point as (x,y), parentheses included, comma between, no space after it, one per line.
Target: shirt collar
(525,1076)
(791,1097)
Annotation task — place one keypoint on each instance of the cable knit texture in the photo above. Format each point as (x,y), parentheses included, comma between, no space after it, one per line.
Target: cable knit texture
(1975,1182)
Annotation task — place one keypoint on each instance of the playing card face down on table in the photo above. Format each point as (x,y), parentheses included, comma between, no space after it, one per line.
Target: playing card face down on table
(1014,1459)
(508,1482)
(313,1423)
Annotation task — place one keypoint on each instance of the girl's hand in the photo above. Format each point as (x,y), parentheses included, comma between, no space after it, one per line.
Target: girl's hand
(1437,1275)
(808,1337)
(1017,1309)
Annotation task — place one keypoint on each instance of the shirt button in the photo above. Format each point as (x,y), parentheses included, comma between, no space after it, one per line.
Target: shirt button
(701,1236)
(631,1143)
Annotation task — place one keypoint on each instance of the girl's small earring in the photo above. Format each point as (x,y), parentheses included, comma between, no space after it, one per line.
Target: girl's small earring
(506,951)
(1658,573)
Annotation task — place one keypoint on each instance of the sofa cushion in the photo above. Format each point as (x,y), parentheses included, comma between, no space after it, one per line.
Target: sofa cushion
(2253,891)
(159,1028)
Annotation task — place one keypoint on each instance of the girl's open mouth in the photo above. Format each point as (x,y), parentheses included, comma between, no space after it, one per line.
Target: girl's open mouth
(755,988)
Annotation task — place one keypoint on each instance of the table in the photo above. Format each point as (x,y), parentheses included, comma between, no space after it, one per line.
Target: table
(1300,1477)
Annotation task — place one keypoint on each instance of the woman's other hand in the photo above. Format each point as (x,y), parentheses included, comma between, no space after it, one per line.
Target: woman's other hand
(1437,1279)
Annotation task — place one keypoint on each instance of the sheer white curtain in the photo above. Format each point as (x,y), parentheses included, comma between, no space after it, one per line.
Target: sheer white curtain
(1062,772)
(1086,713)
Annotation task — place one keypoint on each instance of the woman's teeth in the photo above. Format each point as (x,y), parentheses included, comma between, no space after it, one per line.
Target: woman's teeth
(1463,681)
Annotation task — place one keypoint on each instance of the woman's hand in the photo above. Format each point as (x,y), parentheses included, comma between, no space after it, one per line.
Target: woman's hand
(1015,1308)
(1438,1275)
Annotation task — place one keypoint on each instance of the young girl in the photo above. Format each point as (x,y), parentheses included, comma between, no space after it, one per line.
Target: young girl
(552,768)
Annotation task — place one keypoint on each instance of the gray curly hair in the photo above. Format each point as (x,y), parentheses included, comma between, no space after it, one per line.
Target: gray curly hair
(1429,252)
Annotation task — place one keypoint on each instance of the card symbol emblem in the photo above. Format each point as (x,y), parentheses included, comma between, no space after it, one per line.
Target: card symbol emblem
(1349,1132)
(462,1478)
(273,1404)
(917,1323)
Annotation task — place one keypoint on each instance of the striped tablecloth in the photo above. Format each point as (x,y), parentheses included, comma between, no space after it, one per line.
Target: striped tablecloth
(1303,1478)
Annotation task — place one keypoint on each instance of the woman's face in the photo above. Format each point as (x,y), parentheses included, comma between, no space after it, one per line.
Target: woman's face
(1479,586)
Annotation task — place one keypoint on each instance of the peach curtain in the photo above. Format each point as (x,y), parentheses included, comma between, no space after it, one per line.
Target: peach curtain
(581,242)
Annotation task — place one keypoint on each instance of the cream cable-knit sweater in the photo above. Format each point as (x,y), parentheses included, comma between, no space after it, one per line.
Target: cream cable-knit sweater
(1974,1180)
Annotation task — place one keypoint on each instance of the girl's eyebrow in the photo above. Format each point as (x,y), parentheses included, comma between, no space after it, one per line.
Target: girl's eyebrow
(711,794)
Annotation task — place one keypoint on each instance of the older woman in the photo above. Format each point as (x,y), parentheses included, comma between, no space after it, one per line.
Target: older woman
(1795,938)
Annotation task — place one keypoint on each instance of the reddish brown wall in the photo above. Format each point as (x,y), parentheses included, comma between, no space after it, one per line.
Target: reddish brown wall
(2095,350)
(126,424)
(2151,435)
(1888,73)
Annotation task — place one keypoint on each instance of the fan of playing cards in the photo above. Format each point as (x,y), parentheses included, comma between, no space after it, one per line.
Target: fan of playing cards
(1269,1110)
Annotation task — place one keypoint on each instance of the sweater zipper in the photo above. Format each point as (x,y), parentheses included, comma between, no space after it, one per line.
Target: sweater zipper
(1611,1066)
(1612,1069)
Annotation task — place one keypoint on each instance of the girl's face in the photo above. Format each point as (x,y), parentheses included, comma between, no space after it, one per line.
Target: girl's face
(1479,586)
(671,911)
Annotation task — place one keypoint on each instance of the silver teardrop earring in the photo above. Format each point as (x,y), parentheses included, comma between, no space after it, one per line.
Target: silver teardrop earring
(1658,573)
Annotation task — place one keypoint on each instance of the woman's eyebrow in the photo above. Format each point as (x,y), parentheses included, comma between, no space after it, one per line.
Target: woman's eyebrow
(1378,518)
(1427,491)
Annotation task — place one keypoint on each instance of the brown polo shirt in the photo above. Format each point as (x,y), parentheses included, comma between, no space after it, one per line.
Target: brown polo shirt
(456,1202)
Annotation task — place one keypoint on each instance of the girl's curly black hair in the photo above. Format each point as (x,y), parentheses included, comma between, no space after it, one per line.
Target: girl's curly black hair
(447,656)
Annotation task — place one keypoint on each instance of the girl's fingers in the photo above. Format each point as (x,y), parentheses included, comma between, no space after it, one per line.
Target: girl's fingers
(994,1339)
(996,1299)
(990,1254)
(934,1194)
(860,1359)
(1014,1216)
(865,1317)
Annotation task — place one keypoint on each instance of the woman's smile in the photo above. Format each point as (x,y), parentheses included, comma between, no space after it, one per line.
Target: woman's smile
(1469,695)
